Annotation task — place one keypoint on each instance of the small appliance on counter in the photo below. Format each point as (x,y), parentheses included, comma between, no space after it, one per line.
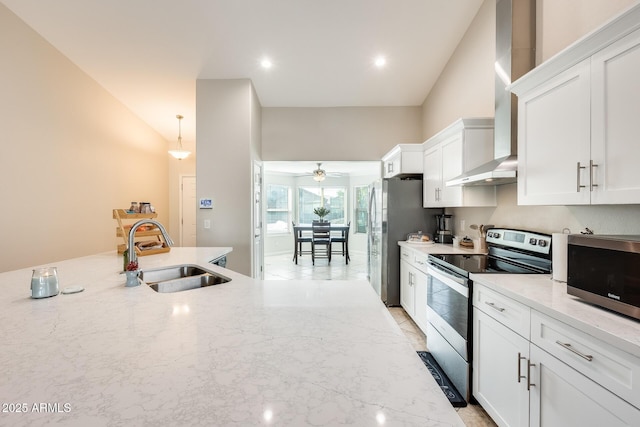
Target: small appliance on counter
(605,270)
(443,232)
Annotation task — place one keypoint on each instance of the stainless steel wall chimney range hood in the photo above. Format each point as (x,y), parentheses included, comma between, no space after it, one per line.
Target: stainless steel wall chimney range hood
(515,56)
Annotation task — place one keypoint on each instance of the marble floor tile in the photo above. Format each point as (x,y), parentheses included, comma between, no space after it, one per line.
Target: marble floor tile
(281,267)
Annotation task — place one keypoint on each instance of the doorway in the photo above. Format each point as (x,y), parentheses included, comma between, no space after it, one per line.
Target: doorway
(188,210)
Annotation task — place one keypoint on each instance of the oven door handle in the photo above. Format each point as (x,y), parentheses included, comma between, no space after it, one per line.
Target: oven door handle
(455,283)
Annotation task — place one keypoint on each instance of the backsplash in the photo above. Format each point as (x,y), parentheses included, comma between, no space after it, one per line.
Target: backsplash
(607,219)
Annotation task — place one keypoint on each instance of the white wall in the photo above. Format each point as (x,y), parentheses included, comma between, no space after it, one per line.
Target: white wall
(227,144)
(71,154)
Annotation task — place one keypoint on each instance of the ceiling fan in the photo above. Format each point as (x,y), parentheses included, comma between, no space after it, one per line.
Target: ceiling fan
(320,174)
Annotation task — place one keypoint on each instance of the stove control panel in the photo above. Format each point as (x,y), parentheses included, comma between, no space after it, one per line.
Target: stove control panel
(520,239)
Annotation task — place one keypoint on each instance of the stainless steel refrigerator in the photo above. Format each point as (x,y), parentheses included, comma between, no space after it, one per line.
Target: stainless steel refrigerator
(395,210)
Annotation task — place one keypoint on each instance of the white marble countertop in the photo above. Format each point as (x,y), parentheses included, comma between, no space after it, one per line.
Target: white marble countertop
(439,248)
(247,352)
(547,296)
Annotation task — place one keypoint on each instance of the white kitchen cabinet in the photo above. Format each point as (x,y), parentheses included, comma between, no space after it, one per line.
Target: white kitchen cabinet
(499,354)
(553,140)
(560,396)
(523,377)
(413,286)
(407,289)
(403,159)
(615,109)
(577,112)
(462,146)
(420,288)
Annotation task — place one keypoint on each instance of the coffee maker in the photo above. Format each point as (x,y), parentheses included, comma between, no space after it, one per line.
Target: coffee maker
(443,232)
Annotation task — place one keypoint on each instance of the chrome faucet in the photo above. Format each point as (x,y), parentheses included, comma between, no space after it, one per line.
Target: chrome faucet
(132,234)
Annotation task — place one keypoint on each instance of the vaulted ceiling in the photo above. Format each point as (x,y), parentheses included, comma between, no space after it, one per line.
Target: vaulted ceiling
(149,53)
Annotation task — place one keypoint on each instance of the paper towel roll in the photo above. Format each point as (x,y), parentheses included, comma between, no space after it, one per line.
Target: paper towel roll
(559,256)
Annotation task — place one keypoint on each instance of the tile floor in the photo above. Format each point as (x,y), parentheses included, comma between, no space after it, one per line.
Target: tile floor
(281,267)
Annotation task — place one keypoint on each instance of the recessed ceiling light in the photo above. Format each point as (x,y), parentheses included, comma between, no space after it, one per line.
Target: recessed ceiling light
(380,61)
(266,63)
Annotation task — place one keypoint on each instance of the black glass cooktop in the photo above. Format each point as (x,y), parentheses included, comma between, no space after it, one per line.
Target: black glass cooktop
(505,262)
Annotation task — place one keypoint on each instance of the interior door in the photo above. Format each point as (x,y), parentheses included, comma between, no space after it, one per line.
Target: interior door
(257,269)
(188,211)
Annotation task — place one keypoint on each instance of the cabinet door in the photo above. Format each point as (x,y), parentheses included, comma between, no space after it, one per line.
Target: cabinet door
(407,274)
(420,300)
(392,166)
(451,168)
(561,396)
(432,177)
(499,365)
(615,109)
(554,140)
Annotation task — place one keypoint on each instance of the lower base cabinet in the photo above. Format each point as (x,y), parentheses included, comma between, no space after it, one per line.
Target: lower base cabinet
(407,288)
(520,384)
(498,385)
(413,286)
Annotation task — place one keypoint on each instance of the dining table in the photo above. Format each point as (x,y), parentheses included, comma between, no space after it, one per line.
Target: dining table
(297,233)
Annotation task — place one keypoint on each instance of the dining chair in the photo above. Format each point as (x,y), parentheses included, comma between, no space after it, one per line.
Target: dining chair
(320,242)
(300,238)
(343,238)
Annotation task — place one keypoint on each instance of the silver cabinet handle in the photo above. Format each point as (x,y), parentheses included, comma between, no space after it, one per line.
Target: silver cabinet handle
(591,166)
(520,358)
(406,255)
(495,307)
(569,347)
(410,279)
(578,178)
(389,167)
(529,383)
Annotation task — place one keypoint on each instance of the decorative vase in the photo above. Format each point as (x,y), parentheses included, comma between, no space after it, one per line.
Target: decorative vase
(132,278)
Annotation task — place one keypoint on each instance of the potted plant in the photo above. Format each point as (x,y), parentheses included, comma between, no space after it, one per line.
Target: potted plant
(132,274)
(321,212)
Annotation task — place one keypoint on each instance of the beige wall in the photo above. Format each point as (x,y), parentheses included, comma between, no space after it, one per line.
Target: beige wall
(554,33)
(466,86)
(227,144)
(71,153)
(339,133)
(562,22)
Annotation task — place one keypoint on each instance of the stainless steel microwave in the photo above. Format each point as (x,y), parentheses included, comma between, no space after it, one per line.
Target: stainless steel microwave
(605,270)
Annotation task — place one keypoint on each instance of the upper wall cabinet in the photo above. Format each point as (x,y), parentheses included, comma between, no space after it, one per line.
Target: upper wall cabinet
(462,146)
(577,138)
(403,159)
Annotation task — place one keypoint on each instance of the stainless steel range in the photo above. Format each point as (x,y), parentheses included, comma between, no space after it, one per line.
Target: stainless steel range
(449,291)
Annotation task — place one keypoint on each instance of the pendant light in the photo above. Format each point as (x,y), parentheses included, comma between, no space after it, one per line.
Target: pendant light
(319,174)
(179,153)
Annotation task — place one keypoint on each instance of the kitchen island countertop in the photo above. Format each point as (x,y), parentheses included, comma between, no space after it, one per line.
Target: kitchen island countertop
(247,352)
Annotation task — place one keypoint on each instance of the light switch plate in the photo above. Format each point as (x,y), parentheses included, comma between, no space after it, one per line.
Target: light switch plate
(207,223)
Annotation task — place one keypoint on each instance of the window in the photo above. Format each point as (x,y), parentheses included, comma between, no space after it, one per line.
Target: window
(278,216)
(332,198)
(361,209)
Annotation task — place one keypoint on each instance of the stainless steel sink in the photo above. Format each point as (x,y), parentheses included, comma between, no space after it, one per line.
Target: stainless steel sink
(180,278)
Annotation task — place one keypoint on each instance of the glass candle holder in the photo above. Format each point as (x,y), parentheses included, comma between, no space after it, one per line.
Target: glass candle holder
(44,282)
